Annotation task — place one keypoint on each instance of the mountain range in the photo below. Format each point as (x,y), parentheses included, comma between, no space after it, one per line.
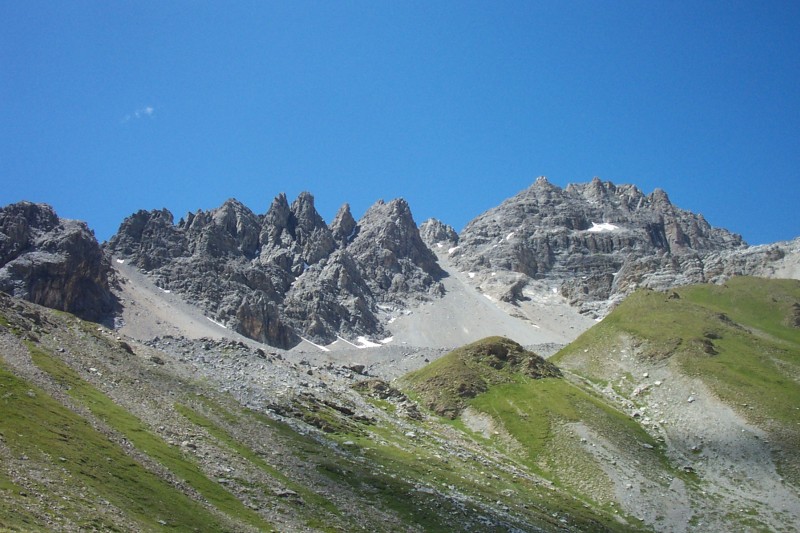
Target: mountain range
(288,276)
(590,358)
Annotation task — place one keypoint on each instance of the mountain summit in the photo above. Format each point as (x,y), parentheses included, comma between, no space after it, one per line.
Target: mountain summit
(590,242)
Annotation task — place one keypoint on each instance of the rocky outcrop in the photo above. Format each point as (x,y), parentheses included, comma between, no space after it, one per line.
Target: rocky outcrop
(286,275)
(593,242)
(343,226)
(436,234)
(391,253)
(295,237)
(53,262)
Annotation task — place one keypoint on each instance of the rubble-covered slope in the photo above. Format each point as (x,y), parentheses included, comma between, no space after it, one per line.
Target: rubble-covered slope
(677,408)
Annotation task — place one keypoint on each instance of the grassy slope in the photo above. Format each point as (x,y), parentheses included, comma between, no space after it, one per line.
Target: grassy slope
(448,384)
(738,338)
(143,439)
(41,429)
(532,412)
(735,337)
(359,476)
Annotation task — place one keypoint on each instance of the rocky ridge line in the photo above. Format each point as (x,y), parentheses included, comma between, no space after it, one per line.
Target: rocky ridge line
(286,275)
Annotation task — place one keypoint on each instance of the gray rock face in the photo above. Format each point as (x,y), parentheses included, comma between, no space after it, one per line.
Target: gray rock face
(344,226)
(594,241)
(285,275)
(391,252)
(436,234)
(53,262)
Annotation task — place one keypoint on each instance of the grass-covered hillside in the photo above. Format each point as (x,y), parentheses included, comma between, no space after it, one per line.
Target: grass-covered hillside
(512,400)
(103,433)
(741,339)
(716,369)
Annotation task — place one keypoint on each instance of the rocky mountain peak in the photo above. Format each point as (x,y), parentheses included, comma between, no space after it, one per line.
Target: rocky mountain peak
(437,234)
(286,274)
(388,234)
(53,262)
(276,221)
(343,227)
(579,238)
(231,229)
(312,236)
(542,182)
(150,238)
(295,236)
(659,198)
(304,215)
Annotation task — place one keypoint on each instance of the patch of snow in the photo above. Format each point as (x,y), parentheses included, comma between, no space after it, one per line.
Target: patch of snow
(489,297)
(121,261)
(451,250)
(555,290)
(324,349)
(387,340)
(439,245)
(508,237)
(217,323)
(599,228)
(347,341)
(494,274)
(366,343)
(471,275)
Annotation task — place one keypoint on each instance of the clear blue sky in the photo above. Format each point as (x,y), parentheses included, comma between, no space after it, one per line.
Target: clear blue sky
(110,107)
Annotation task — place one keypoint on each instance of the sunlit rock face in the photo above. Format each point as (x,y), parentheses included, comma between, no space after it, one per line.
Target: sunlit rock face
(591,241)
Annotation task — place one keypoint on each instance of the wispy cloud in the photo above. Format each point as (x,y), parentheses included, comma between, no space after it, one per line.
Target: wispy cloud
(142,112)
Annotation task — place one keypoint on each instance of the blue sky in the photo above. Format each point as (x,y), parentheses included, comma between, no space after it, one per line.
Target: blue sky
(111,107)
